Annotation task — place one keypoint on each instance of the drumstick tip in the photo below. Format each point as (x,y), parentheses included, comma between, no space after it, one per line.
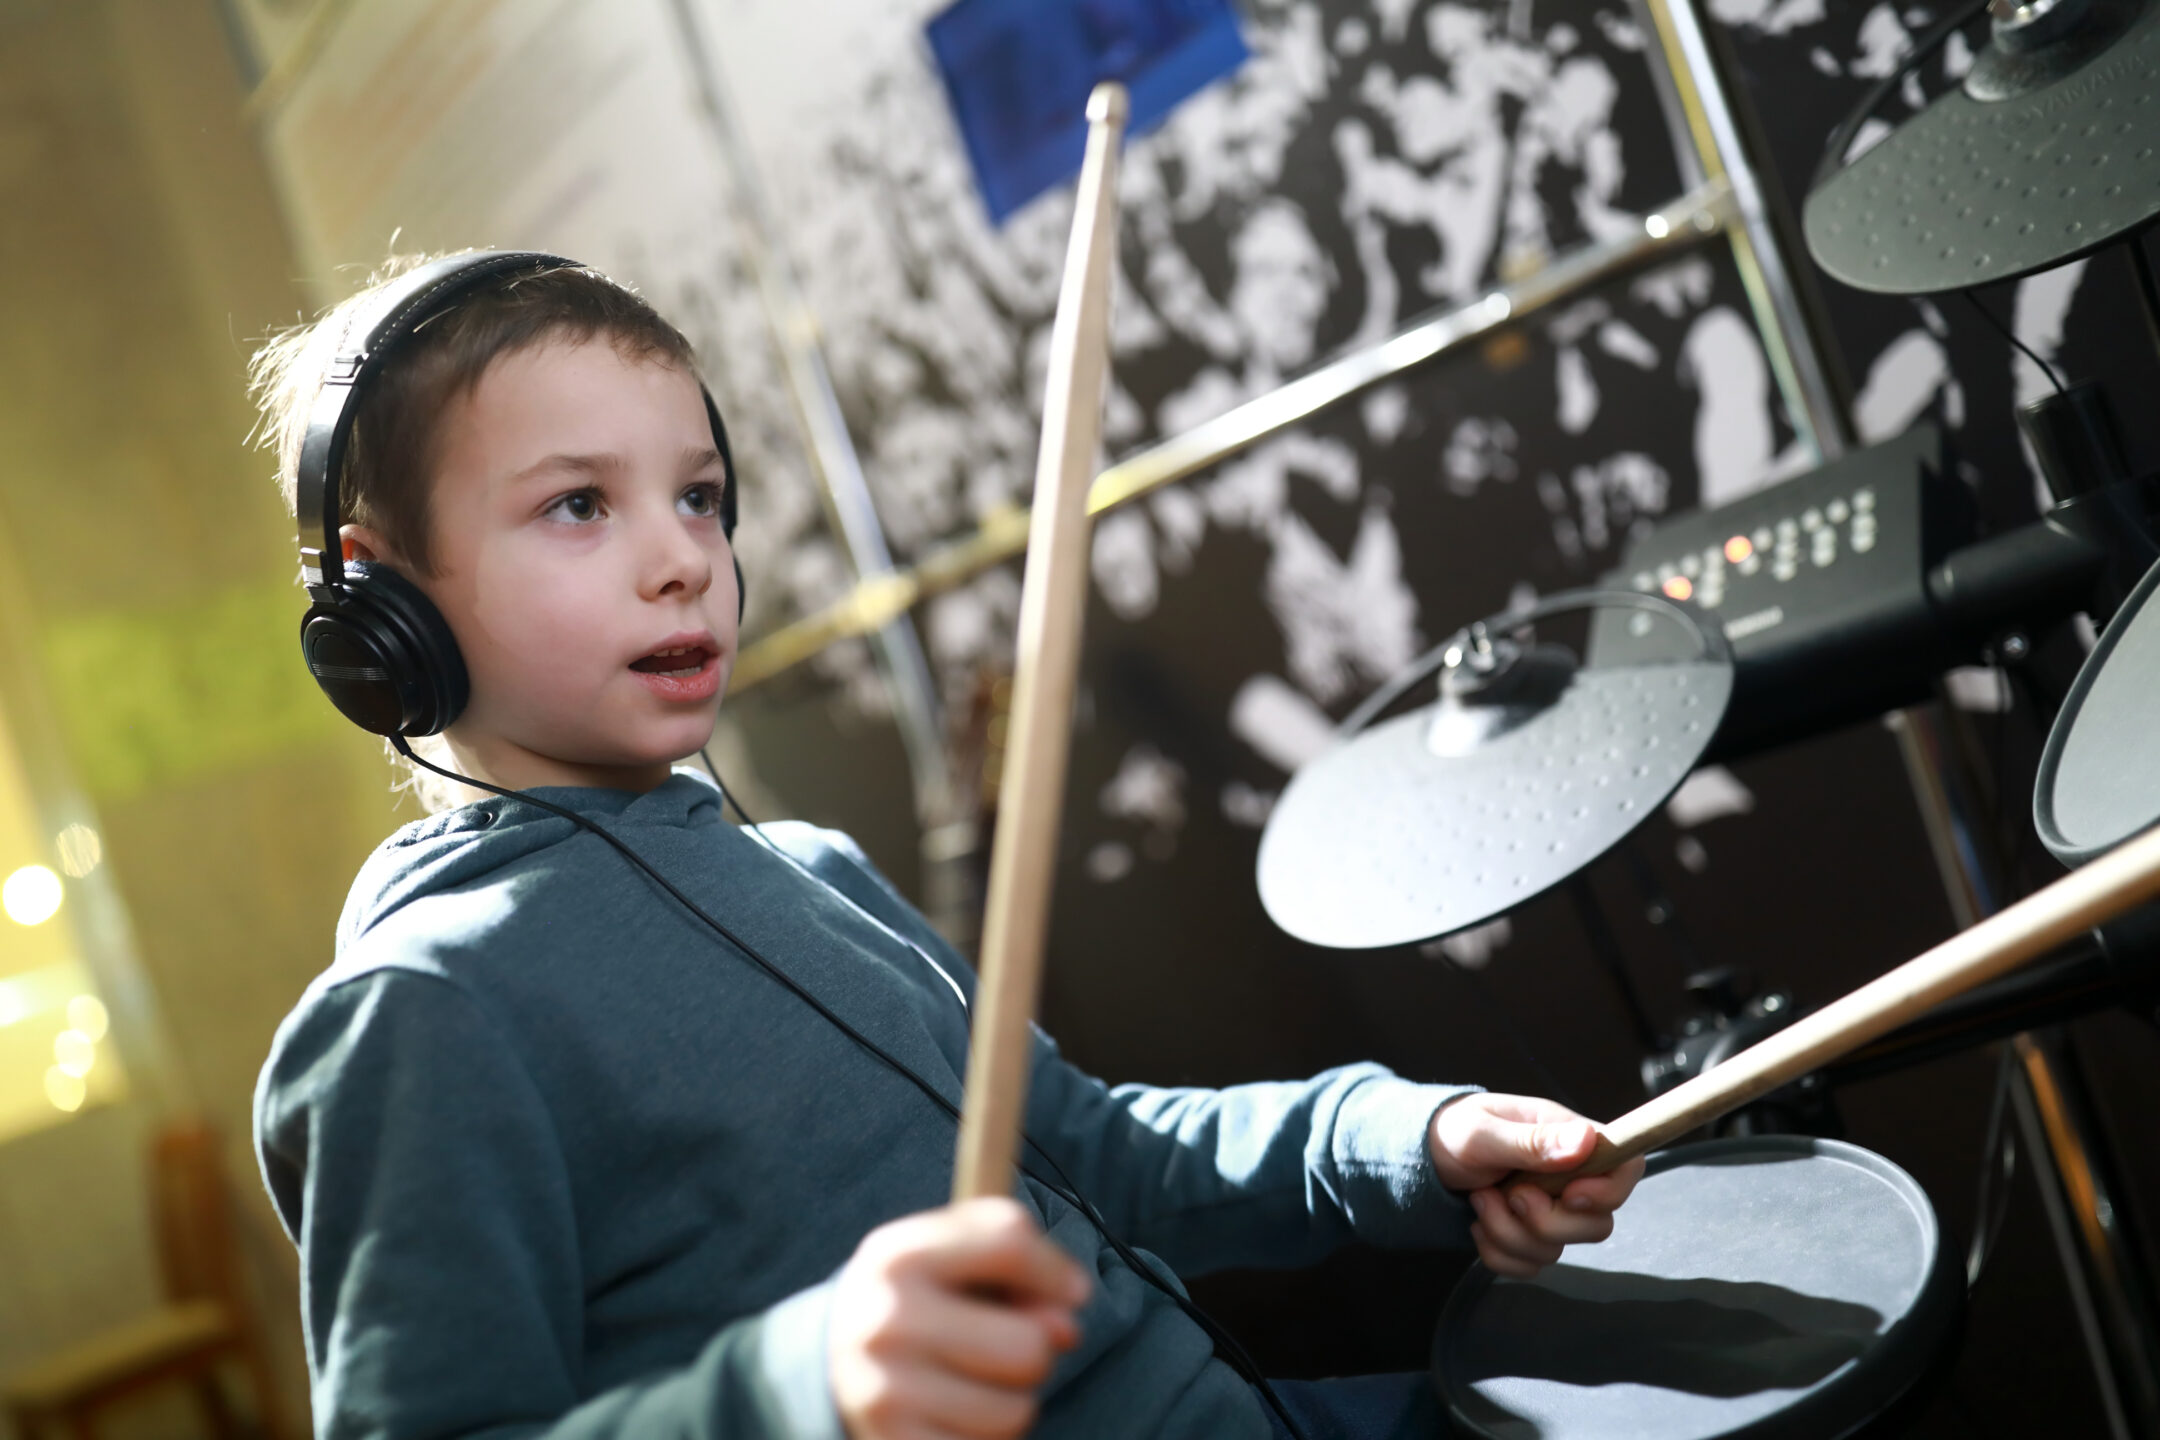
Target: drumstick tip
(1108,102)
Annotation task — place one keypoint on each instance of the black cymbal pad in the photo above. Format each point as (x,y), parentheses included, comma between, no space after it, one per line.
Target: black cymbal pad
(1408,831)
(1973,191)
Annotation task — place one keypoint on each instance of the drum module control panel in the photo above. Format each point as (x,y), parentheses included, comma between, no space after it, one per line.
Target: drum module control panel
(1820,584)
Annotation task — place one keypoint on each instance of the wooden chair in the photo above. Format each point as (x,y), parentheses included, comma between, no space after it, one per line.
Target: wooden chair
(205,1325)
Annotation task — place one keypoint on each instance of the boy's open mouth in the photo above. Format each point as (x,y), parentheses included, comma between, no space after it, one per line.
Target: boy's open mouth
(678,663)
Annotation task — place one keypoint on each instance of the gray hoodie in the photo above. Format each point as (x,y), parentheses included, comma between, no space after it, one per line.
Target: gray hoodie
(561,1161)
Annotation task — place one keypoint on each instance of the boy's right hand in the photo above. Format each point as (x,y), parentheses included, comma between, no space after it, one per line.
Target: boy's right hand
(945,1323)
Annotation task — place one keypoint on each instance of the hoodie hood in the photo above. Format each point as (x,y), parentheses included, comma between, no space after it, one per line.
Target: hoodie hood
(466,846)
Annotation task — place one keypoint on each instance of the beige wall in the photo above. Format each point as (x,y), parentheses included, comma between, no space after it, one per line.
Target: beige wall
(146,652)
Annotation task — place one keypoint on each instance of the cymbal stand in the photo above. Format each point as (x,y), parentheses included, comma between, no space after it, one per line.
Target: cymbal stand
(1612,959)
(1788,310)
(2096,1240)
(2102,972)
(2109,1286)
(2148,284)
(947,837)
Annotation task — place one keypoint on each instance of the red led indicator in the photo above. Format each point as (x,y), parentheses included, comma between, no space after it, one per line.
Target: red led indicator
(1739,548)
(1680,587)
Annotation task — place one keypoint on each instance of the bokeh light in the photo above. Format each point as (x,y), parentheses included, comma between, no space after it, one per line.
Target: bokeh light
(64,1090)
(80,850)
(87,1013)
(31,895)
(73,1053)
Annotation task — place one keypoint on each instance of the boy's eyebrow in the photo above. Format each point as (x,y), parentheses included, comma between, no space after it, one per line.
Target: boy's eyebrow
(602,464)
(694,457)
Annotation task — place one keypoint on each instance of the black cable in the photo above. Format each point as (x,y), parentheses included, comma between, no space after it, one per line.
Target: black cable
(2132,520)
(2009,821)
(1605,948)
(1510,1029)
(727,796)
(2011,335)
(1998,1166)
(1226,1344)
(1660,909)
(1841,139)
(1966,1414)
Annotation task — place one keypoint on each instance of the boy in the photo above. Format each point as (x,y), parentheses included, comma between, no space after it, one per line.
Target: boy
(561,1160)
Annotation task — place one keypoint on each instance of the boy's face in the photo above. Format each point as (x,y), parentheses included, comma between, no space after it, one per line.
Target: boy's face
(575,511)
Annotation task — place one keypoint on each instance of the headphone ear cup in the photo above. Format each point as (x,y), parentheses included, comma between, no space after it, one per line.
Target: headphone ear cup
(384,655)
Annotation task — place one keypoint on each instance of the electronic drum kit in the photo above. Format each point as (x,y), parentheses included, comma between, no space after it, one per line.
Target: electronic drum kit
(1773,1285)
(1759,1284)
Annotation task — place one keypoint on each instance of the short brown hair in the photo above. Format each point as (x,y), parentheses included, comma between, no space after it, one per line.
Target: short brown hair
(383,483)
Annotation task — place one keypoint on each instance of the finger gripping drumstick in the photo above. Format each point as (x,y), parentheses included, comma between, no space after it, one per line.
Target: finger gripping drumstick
(2118,881)
(1052,600)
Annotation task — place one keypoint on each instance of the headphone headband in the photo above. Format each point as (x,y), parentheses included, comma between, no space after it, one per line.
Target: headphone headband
(403,307)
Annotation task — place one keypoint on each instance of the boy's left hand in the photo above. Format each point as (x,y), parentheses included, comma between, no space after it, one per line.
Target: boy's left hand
(1481,1139)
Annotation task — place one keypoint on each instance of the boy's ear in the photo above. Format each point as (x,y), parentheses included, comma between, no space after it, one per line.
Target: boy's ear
(361,543)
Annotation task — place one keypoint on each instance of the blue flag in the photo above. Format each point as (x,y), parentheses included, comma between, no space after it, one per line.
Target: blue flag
(1019,73)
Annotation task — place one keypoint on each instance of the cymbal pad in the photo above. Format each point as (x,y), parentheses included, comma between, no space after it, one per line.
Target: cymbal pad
(1971,191)
(1386,840)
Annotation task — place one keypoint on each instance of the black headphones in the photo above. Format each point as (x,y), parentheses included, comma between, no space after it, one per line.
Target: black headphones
(376,645)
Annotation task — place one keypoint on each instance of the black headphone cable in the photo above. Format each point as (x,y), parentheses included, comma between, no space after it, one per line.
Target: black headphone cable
(1233,1353)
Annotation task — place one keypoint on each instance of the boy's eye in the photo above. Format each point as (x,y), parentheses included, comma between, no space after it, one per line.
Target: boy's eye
(579,505)
(702,500)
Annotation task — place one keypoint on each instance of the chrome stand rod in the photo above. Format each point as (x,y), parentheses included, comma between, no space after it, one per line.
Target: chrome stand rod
(2109,1287)
(1685,223)
(2097,1249)
(2148,284)
(1808,377)
(841,484)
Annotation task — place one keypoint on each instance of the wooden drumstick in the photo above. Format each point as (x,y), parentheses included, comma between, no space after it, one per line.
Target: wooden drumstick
(1053,599)
(2122,879)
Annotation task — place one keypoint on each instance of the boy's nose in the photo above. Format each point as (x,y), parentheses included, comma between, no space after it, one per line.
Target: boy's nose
(678,564)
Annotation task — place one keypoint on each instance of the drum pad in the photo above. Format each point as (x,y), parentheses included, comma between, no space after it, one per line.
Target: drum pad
(1769,1286)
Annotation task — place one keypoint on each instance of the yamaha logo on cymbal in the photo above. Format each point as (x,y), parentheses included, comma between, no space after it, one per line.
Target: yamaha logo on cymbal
(2078,90)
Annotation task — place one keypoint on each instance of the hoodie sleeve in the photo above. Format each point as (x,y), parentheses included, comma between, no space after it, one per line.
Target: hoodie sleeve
(414,1163)
(1270,1174)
